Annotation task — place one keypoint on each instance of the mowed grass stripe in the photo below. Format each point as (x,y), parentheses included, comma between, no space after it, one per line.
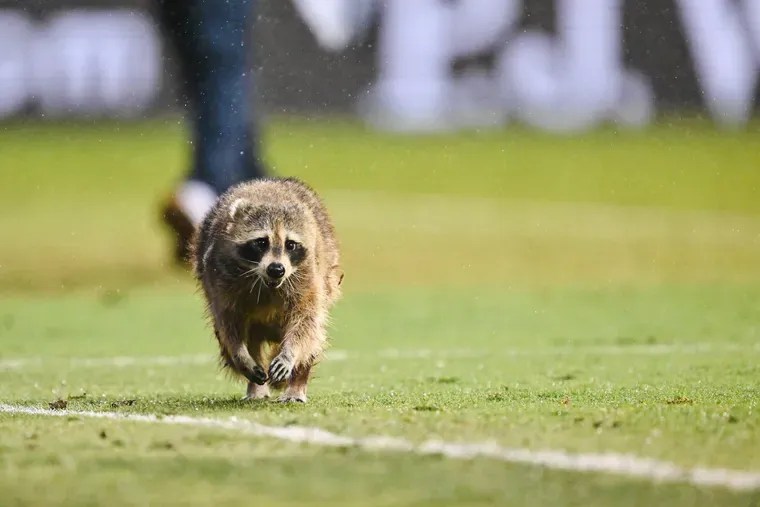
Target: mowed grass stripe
(462,240)
(437,214)
(18,363)
(610,463)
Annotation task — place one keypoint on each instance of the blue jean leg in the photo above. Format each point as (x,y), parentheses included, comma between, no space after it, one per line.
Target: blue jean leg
(212,39)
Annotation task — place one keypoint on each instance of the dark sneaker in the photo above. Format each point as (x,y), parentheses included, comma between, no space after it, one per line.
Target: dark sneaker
(183,212)
(182,229)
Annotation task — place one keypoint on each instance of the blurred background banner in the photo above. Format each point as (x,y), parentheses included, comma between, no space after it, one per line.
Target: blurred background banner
(422,65)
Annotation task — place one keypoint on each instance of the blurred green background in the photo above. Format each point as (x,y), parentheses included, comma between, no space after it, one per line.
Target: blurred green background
(674,203)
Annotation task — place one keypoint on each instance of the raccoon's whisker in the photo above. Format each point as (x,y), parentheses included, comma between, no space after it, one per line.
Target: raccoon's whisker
(249,264)
(250,271)
(258,295)
(255,281)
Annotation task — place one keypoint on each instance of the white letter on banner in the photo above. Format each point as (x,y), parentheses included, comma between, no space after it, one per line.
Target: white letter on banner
(16,36)
(97,62)
(480,24)
(577,79)
(723,56)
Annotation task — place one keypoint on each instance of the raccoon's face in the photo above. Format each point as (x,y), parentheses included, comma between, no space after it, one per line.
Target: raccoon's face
(271,249)
(274,256)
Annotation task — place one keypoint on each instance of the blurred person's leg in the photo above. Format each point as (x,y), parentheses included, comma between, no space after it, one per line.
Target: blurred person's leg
(211,39)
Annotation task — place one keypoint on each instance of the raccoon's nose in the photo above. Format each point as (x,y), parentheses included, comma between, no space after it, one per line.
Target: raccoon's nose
(276,270)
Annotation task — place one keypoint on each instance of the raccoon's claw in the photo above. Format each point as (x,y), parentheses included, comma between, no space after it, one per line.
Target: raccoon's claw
(280,369)
(257,375)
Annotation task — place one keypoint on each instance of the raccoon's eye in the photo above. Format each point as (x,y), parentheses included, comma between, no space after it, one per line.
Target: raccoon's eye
(290,245)
(252,251)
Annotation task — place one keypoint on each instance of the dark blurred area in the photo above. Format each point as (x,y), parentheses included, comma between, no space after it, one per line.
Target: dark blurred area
(579,62)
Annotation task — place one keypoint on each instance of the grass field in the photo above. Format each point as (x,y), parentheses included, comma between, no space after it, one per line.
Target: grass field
(594,295)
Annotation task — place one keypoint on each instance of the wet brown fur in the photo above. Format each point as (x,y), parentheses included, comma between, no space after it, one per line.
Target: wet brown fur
(269,335)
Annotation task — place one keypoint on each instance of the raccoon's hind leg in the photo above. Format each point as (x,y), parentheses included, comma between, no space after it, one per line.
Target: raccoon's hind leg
(296,388)
(257,392)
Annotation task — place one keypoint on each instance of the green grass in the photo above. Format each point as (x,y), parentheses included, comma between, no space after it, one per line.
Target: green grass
(596,293)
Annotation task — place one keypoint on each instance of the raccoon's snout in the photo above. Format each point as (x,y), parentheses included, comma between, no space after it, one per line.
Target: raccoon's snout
(275,271)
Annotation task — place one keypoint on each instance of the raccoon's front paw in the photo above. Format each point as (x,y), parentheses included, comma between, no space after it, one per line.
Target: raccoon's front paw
(281,368)
(257,375)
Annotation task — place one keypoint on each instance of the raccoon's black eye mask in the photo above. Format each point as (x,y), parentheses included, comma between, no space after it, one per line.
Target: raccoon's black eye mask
(253,251)
(296,251)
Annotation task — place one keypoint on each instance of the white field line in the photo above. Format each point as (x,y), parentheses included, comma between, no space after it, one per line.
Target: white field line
(10,364)
(625,465)
(114,362)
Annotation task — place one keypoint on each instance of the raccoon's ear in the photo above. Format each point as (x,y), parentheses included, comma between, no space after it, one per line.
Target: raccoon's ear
(238,207)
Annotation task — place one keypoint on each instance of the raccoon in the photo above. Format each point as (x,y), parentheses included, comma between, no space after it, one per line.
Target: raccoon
(267,259)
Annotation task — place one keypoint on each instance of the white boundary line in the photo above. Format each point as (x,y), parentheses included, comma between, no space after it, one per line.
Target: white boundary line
(625,465)
(11,364)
